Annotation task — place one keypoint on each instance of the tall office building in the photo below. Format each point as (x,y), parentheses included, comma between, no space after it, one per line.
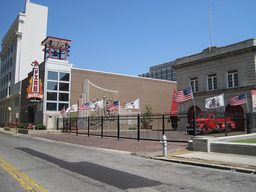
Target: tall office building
(21,45)
(163,71)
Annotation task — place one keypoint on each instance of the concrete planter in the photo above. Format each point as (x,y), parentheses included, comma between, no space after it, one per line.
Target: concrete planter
(29,131)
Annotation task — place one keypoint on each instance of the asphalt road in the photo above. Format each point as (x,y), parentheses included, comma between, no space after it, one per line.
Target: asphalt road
(38,164)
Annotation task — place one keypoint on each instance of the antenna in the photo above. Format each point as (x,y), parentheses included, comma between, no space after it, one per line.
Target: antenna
(210,24)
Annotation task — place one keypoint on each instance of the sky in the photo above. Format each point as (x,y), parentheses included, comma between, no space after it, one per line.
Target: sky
(130,36)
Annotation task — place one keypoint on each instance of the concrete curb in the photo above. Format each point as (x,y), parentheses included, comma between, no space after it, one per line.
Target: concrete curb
(230,168)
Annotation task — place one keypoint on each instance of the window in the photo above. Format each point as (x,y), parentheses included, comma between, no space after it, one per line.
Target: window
(16,101)
(164,73)
(194,84)
(57,90)
(52,85)
(154,74)
(52,96)
(174,75)
(212,82)
(51,106)
(11,47)
(64,87)
(52,75)
(232,78)
(61,105)
(159,74)
(169,73)
(64,76)
(63,96)
(10,62)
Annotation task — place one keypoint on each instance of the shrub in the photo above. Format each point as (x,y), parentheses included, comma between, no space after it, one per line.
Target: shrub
(40,126)
(20,125)
(132,128)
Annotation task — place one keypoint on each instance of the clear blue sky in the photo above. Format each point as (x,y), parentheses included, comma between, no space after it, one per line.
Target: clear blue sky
(129,36)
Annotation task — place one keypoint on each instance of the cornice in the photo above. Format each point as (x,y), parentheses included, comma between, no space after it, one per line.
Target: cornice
(215,57)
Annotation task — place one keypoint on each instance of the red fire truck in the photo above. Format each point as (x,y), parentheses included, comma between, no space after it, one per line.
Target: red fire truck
(208,122)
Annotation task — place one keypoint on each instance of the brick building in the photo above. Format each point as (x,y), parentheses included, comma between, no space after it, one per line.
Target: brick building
(64,85)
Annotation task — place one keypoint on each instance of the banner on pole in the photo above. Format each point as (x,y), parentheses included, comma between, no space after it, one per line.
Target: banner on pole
(253,100)
(214,102)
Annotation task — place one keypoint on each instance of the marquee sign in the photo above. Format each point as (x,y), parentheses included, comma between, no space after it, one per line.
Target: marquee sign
(34,90)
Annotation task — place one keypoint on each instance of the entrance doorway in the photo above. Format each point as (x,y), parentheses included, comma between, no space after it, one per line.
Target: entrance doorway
(31,114)
(237,115)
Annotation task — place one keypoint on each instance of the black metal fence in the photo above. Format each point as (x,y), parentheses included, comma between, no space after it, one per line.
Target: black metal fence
(141,127)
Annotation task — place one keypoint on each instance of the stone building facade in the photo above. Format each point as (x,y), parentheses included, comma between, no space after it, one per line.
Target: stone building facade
(230,70)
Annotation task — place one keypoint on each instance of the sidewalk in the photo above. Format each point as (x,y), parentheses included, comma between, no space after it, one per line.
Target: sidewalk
(177,151)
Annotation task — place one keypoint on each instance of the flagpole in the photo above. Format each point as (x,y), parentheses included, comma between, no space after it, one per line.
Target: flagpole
(119,107)
(194,118)
(139,105)
(223,102)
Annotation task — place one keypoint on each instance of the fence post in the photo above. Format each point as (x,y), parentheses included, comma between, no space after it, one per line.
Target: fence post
(57,123)
(226,129)
(69,124)
(88,127)
(248,122)
(163,123)
(101,126)
(76,126)
(63,125)
(250,114)
(118,127)
(138,124)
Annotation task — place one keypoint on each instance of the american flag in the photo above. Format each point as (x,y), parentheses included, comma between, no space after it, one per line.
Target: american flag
(113,106)
(238,100)
(85,106)
(63,110)
(183,95)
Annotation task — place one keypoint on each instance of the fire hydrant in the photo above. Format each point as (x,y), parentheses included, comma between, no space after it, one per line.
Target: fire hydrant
(164,143)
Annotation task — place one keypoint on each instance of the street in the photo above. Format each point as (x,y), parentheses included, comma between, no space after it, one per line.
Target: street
(42,165)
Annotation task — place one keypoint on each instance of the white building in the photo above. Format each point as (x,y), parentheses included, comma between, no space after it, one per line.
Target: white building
(20,46)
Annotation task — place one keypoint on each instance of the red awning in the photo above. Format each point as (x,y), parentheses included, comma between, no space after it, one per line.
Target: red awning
(174,106)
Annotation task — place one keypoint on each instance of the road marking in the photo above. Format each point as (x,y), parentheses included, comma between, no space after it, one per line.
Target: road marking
(26,182)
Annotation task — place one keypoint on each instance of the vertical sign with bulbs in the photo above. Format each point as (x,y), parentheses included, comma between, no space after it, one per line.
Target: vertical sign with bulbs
(34,90)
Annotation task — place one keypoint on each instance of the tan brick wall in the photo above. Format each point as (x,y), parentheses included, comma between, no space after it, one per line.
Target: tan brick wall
(157,93)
